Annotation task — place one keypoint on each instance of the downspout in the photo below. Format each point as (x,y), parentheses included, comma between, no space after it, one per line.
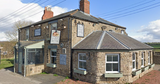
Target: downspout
(71,69)
(14,58)
(25,61)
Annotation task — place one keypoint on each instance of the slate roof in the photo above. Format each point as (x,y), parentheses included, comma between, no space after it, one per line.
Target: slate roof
(77,14)
(110,41)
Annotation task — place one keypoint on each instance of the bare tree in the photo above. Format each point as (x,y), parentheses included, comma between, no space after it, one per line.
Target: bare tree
(12,35)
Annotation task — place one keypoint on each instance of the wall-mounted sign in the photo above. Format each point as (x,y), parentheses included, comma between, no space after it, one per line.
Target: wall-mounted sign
(55,37)
(62,59)
(37,32)
(80,30)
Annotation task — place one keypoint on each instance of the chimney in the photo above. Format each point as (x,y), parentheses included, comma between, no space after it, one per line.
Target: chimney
(85,6)
(47,13)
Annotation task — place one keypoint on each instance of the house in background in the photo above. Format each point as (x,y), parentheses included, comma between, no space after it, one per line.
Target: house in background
(81,46)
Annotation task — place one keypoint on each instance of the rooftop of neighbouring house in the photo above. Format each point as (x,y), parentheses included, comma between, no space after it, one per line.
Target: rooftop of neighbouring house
(110,41)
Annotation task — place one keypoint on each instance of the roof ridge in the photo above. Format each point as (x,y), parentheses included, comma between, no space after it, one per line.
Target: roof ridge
(118,40)
(74,12)
(83,39)
(100,42)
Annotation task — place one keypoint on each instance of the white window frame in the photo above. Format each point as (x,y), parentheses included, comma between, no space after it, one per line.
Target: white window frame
(134,61)
(78,29)
(122,31)
(81,61)
(52,56)
(64,49)
(143,55)
(27,34)
(112,62)
(149,57)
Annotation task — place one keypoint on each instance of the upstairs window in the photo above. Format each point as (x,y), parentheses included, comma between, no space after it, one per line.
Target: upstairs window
(54,26)
(27,34)
(110,30)
(80,30)
(112,63)
(122,31)
(142,60)
(133,61)
(37,32)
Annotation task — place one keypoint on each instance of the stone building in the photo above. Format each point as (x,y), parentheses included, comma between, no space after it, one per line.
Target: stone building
(81,46)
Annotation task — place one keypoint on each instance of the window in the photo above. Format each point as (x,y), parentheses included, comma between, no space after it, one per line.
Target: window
(64,50)
(110,30)
(142,60)
(35,56)
(53,56)
(80,30)
(37,32)
(112,63)
(122,31)
(54,26)
(134,61)
(27,34)
(149,57)
(82,61)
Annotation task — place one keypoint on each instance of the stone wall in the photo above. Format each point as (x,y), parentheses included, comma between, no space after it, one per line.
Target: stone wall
(34,69)
(60,69)
(156,59)
(89,27)
(31,32)
(96,66)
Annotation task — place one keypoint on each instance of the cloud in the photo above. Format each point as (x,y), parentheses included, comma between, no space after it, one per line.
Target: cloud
(26,11)
(151,32)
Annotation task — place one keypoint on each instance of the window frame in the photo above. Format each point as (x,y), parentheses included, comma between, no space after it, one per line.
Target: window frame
(27,33)
(77,30)
(149,57)
(134,54)
(143,54)
(122,31)
(112,62)
(81,61)
(52,56)
(65,51)
(40,32)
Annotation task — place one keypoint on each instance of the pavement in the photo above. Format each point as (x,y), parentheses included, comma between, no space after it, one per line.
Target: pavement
(7,76)
(156,67)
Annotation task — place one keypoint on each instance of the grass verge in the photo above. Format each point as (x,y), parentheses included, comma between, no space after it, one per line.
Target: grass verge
(5,63)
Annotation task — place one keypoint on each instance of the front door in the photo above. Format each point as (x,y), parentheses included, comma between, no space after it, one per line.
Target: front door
(20,62)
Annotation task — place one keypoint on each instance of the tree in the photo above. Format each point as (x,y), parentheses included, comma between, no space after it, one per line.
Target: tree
(12,35)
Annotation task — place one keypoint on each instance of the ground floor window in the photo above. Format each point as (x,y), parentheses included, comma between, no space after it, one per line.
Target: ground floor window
(35,56)
(53,56)
(82,61)
(142,60)
(149,57)
(133,61)
(112,63)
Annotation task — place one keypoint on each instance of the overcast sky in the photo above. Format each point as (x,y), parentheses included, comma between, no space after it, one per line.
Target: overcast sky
(140,17)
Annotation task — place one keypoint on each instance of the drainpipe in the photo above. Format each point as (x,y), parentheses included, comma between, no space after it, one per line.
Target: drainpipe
(25,50)
(71,70)
(14,58)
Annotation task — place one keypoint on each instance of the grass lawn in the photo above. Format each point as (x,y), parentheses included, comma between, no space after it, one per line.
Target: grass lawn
(6,63)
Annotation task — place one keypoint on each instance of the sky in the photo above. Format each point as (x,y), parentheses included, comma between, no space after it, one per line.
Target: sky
(140,17)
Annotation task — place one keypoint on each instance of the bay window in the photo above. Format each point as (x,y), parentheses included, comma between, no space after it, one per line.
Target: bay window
(112,63)
(149,57)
